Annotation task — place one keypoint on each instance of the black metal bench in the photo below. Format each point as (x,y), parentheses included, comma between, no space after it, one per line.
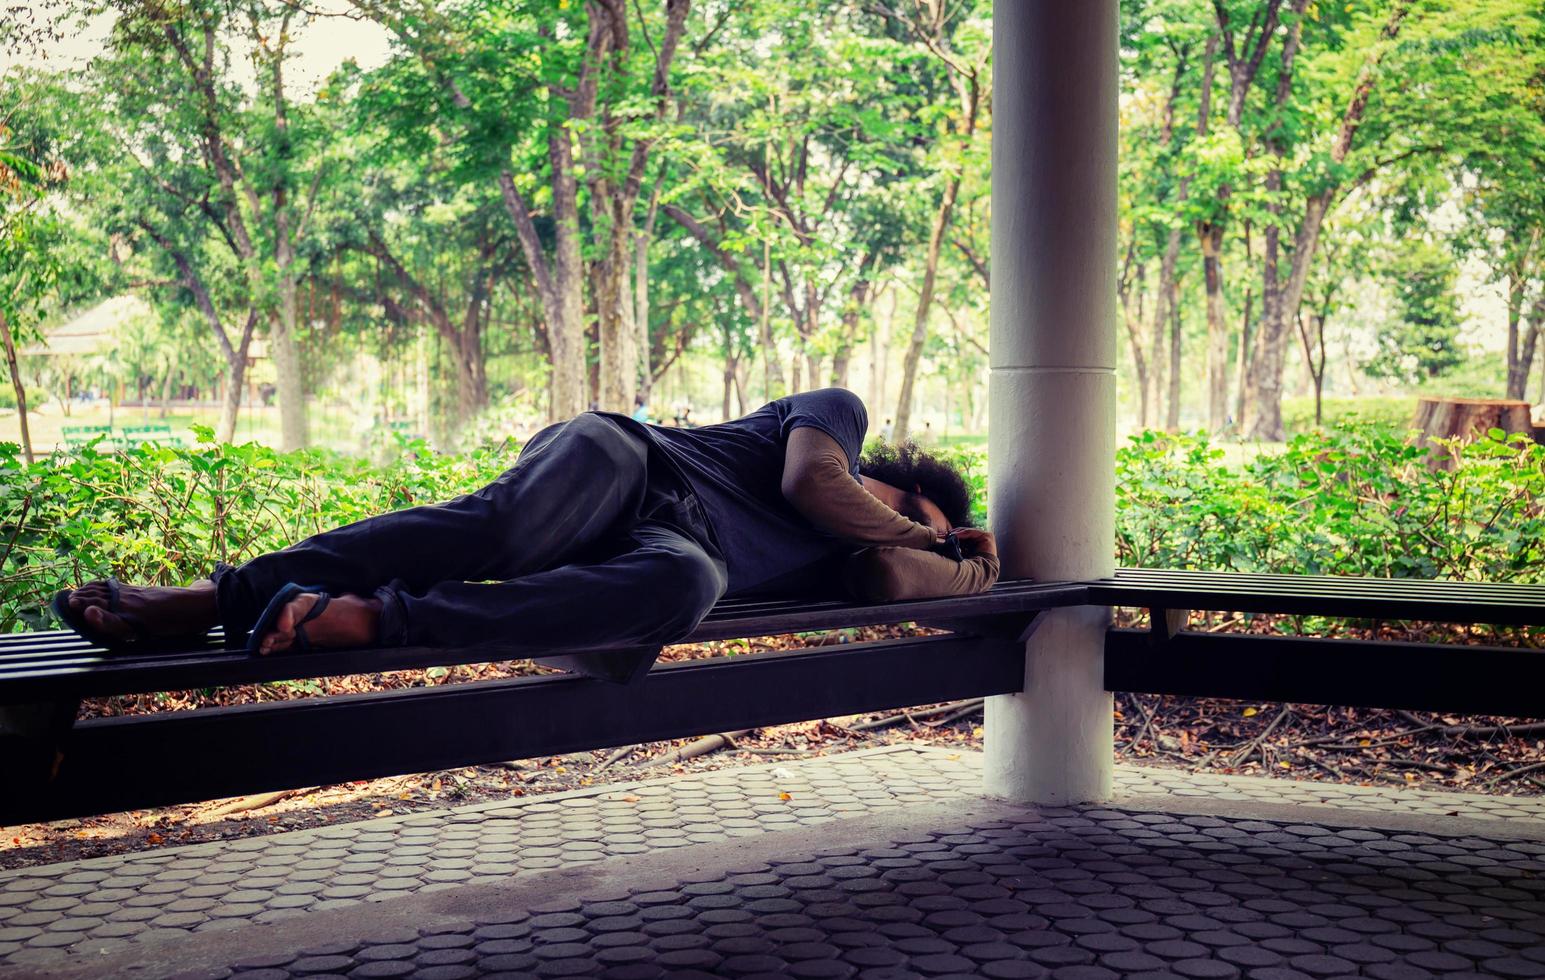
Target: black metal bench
(117,763)
(109,764)
(1169,659)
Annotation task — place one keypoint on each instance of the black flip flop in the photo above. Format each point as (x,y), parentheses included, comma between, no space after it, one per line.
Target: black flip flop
(142,640)
(286,595)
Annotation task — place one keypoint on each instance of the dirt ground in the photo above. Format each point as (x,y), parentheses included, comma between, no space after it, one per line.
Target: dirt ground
(1309,742)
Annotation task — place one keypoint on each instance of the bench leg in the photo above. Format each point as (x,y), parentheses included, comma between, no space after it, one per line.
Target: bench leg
(31,742)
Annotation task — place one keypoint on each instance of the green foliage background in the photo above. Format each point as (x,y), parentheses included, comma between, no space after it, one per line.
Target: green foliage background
(1357,500)
(163,515)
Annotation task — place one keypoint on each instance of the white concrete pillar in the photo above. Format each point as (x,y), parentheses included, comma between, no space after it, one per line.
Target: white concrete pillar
(1051,427)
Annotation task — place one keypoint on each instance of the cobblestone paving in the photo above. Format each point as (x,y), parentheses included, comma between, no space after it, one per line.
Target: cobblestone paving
(100,905)
(106,903)
(1070,894)
(1383,799)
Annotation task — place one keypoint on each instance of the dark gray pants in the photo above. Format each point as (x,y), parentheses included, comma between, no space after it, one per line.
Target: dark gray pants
(587,543)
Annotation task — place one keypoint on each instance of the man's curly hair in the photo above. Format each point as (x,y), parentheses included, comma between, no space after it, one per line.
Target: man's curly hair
(910,468)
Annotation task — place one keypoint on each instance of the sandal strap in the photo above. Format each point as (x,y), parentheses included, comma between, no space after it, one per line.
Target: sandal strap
(317,608)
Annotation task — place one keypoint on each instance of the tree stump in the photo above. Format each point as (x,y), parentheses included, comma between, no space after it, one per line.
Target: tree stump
(1466,419)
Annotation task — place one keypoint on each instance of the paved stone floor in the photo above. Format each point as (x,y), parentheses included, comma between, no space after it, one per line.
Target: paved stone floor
(878,864)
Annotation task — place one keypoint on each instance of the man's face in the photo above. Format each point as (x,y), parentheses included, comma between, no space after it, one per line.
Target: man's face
(928,513)
(911,504)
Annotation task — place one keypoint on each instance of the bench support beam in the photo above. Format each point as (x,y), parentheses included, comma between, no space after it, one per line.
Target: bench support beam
(1052,391)
(113,764)
(1310,670)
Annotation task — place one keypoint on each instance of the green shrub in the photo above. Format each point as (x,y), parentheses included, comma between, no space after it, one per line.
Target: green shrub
(164,515)
(1359,500)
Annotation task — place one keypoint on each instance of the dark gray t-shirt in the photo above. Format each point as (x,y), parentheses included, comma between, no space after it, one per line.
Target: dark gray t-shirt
(736,470)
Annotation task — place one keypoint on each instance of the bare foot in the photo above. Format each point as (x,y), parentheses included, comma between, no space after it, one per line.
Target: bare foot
(147,610)
(348,621)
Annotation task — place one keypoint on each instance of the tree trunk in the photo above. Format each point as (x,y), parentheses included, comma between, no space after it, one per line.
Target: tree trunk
(1316,364)
(230,408)
(1211,237)
(1144,383)
(1542,364)
(841,367)
(471,388)
(166,393)
(1140,366)
(941,223)
(641,297)
(16,385)
(1532,340)
(844,352)
(772,369)
(1163,311)
(1466,419)
(559,282)
(1172,414)
(729,385)
(570,381)
(616,332)
(1242,353)
(1521,340)
(1130,291)
(1319,400)
(879,351)
(289,378)
(1515,308)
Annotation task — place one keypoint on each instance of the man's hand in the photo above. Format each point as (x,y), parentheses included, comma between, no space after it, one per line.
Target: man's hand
(975,541)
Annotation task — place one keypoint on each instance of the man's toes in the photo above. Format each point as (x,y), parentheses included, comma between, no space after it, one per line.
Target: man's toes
(276,641)
(103,621)
(282,636)
(89,594)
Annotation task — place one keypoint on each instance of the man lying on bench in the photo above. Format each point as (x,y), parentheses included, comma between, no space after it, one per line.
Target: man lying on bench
(607,532)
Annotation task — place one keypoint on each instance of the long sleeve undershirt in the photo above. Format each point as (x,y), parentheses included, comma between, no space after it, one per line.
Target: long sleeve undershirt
(819,484)
(887,574)
(895,561)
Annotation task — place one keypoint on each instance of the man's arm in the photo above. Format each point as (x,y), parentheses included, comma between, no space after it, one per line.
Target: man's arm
(817,482)
(887,574)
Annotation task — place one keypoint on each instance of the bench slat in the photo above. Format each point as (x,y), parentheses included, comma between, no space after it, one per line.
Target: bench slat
(1322,585)
(1325,595)
(115,764)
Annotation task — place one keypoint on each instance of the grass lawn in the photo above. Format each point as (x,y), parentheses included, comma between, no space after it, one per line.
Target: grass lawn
(330,427)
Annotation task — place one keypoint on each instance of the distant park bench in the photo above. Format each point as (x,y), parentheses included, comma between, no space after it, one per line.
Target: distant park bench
(76,436)
(58,768)
(406,429)
(122,437)
(134,435)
